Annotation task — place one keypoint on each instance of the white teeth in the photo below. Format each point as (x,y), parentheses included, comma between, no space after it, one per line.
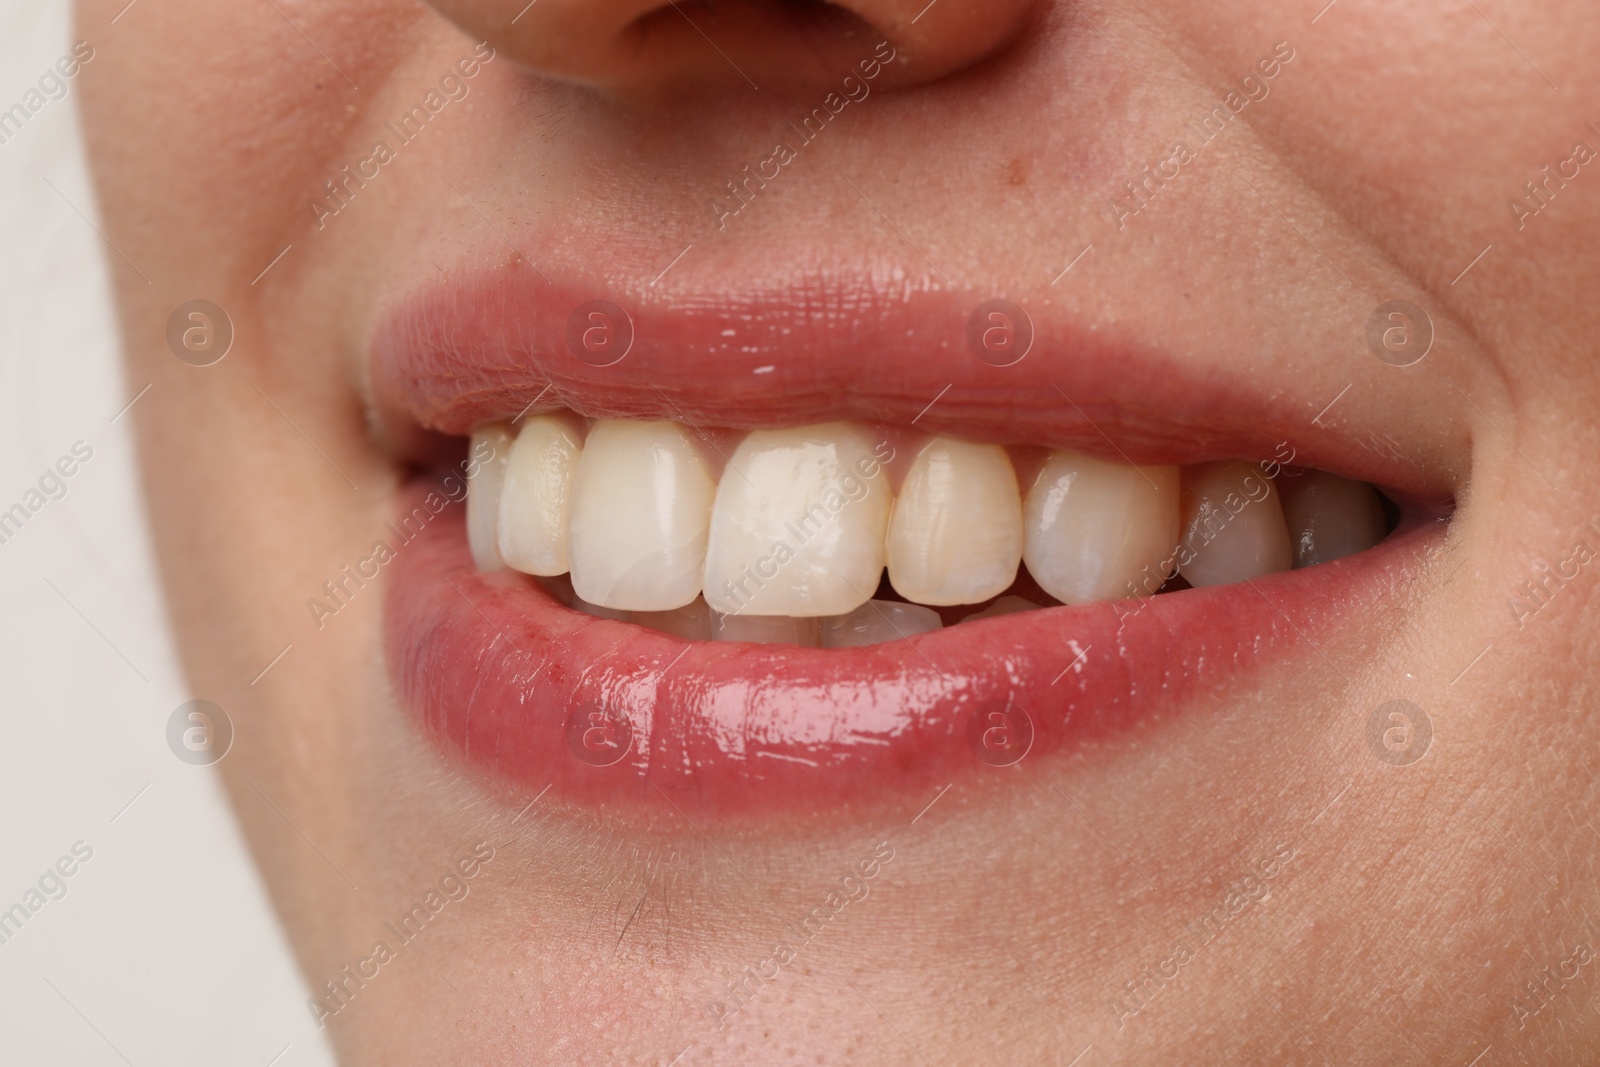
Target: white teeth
(798,525)
(630,524)
(955,533)
(691,622)
(1006,605)
(535,502)
(1330,517)
(560,587)
(1094,527)
(641,504)
(490,448)
(877,621)
(599,612)
(1233,526)
(767,629)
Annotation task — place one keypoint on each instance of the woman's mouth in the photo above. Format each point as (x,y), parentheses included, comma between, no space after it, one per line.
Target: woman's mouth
(661,586)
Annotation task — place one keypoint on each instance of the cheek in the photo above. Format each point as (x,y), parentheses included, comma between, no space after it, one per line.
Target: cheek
(241,147)
(241,142)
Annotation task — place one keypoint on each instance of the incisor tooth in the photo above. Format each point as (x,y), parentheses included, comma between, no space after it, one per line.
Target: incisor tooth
(1006,605)
(490,449)
(877,621)
(535,502)
(1330,517)
(798,525)
(1093,527)
(691,622)
(641,505)
(560,587)
(599,611)
(766,629)
(955,533)
(1233,526)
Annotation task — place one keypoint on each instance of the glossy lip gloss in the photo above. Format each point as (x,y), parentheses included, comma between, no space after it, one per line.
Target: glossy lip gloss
(507,679)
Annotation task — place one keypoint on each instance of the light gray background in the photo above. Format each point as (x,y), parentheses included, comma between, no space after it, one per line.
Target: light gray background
(164,950)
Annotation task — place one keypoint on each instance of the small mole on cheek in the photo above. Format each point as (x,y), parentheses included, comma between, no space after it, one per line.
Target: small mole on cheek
(1016,172)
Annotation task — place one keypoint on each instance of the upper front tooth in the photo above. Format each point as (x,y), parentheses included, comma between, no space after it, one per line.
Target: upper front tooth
(1099,531)
(1006,605)
(1233,526)
(766,629)
(798,525)
(691,622)
(877,621)
(955,534)
(490,450)
(535,502)
(641,505)
(1330,517)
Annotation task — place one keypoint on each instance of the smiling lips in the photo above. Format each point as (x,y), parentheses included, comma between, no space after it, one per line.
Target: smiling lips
(707,566)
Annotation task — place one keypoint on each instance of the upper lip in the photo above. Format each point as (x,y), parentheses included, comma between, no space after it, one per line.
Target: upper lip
(489,347)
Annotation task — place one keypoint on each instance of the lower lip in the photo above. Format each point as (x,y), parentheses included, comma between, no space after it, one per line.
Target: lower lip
(607,714)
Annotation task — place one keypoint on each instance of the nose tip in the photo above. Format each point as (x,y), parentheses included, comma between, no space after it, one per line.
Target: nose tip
(646,46)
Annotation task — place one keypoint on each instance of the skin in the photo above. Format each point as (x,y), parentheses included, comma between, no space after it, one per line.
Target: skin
(1413,910)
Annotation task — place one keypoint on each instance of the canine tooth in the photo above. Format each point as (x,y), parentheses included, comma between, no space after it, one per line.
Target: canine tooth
(641,505)
(490,449)
(1233,526)
(1006,605)
(691,622)
(1330,517)
(766,629)
(1097,530)
(535,501)
(877,621)
(955,532)
(798,525)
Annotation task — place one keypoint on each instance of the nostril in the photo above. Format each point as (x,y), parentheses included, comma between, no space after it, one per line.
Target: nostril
(768,43)
(796,25)
(642,47)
